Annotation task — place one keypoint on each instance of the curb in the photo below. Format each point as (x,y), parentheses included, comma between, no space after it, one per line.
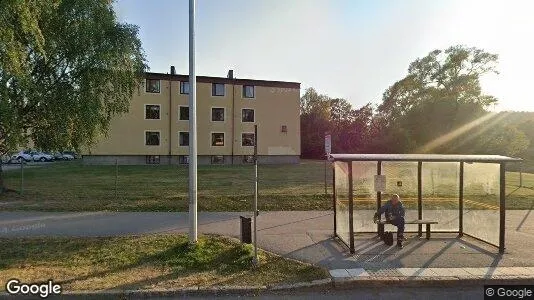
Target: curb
(321,284)
(429,281)
(195,290)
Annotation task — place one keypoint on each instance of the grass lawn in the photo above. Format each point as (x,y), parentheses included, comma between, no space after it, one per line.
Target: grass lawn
(144,262)
(72,186)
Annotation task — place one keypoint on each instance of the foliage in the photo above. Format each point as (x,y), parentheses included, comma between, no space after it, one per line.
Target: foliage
(67,67)
(438,107)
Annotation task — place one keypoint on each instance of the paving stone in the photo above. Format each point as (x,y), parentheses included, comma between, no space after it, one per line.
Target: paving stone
(358,272)
(508,271)
(450,272)
(339,273)
(486,272)
(419,272)
(521,270)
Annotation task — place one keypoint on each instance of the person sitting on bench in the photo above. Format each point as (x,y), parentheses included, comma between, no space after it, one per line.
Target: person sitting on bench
(394,211)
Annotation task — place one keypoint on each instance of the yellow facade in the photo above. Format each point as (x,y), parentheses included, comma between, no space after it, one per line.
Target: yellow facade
(276,112)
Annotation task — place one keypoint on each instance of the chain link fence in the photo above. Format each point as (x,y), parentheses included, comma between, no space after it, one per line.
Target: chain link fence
(73,186)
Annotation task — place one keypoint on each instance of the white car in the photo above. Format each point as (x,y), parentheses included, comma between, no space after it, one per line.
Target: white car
(22,155)
(40,156)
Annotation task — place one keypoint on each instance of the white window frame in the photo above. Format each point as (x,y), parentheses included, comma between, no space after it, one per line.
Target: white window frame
(146,86)
(179,139)
(211,139)
(144,138)
(211,114)
(215,96)
(242,138)
(144,111)
(243,90)
(179,112)
(181,83)
(242,115)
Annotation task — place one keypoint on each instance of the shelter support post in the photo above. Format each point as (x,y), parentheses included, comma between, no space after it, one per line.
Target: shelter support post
(334,197)
(351,209)
(419,197)
(378,195)
(502,206)
(461,202)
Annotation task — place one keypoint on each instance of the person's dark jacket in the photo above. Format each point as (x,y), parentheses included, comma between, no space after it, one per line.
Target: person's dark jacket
(392,211)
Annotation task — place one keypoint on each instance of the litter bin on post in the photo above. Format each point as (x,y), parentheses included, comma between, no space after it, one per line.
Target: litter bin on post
(246,231)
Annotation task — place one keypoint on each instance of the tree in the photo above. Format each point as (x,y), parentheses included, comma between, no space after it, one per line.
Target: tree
(320,114)
(67,67)
(440,94)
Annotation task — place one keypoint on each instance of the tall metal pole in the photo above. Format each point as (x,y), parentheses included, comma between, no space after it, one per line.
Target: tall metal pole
(255,261)
(192,128)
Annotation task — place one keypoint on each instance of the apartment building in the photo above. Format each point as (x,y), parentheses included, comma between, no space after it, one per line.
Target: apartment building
(156,129)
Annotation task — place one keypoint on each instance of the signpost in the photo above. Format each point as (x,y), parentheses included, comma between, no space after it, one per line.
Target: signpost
(255,261)
(327,151)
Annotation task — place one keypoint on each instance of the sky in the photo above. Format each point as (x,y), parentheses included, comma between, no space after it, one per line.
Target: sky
(349,49)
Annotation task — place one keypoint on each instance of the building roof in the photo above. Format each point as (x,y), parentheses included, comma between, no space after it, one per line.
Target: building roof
(424,157)
(236,81)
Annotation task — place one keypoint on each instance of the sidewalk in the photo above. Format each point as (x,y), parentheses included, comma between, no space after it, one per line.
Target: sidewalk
(308,236)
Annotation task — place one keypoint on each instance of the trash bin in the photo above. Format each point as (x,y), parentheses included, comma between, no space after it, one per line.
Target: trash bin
(246,231)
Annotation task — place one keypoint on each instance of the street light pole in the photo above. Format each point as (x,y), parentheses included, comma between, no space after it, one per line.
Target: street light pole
(192,128)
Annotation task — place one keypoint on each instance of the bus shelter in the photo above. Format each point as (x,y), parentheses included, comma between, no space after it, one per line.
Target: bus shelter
(465,194)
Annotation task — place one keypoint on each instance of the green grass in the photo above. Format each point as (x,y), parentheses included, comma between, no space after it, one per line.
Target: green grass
(72,186)
(145,262)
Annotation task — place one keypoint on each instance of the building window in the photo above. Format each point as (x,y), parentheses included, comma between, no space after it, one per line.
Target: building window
(217,139)
(183,159)
(217,89)
(217,114)
(248,159)
(152,86)
(183,138)
(217,159)
(151,138)
(248,91)
(152,159)
(247,139)
(247,115)
(184,113)
(284,128)
(184,87)
(152,112)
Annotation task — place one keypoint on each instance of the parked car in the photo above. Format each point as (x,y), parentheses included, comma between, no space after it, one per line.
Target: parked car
(71,153)
(65,156)
(6,159)
(58,156)
(40,156)
(23,155)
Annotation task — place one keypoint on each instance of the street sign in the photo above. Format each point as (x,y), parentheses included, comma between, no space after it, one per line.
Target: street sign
(328,144)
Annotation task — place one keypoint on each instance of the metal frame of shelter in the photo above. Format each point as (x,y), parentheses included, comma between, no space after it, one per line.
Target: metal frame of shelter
(420,159)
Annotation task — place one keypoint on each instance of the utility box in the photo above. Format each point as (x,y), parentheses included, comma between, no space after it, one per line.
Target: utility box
(246,230)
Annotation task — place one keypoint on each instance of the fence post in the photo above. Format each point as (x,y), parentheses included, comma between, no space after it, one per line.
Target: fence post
(116,176)
(22,176)
(520,174)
